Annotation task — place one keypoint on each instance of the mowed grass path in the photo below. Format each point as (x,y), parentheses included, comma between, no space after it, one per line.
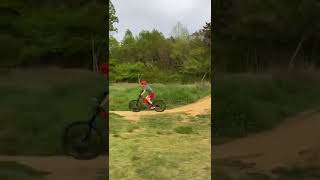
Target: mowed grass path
(160,147)
(173,94)
(37,104)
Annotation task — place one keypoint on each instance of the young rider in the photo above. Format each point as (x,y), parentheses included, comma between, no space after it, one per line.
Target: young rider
(151,94)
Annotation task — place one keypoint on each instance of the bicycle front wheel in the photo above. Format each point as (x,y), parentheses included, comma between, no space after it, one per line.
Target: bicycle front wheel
(160,105)
(82,141)
(135,106)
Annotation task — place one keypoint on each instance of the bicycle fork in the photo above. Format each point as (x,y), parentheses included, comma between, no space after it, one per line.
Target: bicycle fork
(91,126)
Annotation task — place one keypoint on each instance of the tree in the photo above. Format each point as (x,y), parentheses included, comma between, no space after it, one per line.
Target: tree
(112,17)
(204,34)
(197,63)
(128,48)
(179,52)
(148,46)
(128,39)
(179,31)
(114,47)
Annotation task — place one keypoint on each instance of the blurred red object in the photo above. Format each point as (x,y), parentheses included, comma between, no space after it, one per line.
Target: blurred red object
(104,68)
(104,114)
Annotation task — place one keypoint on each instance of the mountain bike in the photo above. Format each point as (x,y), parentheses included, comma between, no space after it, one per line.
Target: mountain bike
(140,104)
(83,140)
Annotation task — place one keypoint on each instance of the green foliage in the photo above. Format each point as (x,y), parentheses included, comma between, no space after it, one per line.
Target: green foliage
(112,17)
(185,58)
(198,62)
(126,72)
(52,33)
(128,39)
(159,75)
(260,35)
(179,52)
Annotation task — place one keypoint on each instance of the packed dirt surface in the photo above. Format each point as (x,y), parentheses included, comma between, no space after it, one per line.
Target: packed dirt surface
(297,140)
(62,167)
(200,107)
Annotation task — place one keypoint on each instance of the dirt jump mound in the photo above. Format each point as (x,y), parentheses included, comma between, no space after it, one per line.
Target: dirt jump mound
(202,106)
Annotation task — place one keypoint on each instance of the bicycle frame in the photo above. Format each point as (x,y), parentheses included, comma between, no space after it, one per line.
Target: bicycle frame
(143,100)
(91,123)
(93,118)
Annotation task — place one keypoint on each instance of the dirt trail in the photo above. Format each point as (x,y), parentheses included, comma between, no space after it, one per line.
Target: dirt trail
(200,107)
(62,167)
(295,140)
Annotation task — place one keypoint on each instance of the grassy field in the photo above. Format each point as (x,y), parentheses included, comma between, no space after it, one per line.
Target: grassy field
(36,105)
(15,171)
(249,103)
(160,147)
(173,94)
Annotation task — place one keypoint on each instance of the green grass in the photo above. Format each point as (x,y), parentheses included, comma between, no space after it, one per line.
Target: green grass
(152,149)
(173,94)
(37,104)
(249,103)
(183,130)
(14,171)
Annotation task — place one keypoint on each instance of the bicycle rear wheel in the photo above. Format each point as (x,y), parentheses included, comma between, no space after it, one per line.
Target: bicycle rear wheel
(82,141)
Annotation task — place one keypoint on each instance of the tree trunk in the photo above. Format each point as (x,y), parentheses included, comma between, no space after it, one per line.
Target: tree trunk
(203,77)
(296,52)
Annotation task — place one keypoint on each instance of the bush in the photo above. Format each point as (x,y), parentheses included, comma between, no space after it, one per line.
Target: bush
(129,72)
(126,72)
